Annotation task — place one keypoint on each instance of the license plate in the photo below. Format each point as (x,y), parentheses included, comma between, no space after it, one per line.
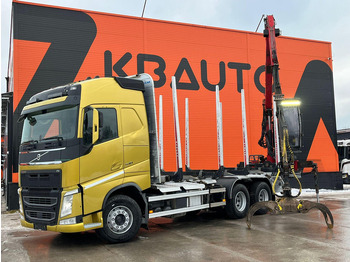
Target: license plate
(40,227)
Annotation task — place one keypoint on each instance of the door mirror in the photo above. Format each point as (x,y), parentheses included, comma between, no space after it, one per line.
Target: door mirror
(95,126)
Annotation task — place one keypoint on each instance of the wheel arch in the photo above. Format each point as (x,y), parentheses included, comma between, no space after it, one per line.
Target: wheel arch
(133,191)
(256,180)
(230,182)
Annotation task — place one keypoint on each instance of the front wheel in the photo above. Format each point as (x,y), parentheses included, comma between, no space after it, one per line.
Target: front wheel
(238,206)
(121,219)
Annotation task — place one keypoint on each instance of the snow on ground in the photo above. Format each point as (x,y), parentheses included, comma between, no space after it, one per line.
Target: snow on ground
(307,192)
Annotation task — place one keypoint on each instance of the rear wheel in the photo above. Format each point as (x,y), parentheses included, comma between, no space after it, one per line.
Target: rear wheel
(121,219)
(260,191)
(238,206)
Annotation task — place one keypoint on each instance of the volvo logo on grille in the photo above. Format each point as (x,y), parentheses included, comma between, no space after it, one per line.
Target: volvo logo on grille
(39,156)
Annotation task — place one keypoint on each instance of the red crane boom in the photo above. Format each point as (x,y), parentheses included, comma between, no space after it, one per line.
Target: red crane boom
(272,84)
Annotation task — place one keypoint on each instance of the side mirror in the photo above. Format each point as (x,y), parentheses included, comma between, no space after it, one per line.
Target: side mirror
(95,126)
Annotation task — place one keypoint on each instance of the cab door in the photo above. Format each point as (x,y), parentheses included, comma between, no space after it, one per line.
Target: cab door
(101,163)
(136,145)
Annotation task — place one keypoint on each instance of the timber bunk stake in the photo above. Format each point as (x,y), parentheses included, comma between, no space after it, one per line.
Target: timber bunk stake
(286,205)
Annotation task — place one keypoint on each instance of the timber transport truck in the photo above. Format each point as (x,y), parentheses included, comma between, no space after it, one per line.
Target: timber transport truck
(52,46)
(89,159)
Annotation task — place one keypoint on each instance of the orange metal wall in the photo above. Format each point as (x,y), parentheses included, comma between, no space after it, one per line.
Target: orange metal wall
(122,43)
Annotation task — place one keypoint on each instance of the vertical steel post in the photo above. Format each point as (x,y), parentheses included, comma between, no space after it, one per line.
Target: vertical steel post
(244,127)
(277,140)
(178,175)
(187,135)
(161,144)
(219,128)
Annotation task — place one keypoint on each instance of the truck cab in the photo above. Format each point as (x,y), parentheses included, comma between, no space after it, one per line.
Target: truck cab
(81,142)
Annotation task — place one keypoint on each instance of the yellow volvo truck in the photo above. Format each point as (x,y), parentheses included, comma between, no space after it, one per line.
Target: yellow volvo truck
(89,160)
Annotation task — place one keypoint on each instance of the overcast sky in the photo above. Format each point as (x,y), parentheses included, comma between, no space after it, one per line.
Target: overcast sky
(313,19)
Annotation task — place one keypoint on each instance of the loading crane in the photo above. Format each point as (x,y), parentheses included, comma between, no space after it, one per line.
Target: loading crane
(281,135)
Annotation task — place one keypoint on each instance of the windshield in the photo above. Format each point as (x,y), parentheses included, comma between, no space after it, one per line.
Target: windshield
(292,119)
(56,123)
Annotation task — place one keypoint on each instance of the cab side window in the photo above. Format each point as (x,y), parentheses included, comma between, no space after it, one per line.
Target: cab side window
(108,124)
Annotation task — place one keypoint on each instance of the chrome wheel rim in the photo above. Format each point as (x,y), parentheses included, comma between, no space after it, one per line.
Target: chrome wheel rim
(240,201)
(119,219)
(263,195)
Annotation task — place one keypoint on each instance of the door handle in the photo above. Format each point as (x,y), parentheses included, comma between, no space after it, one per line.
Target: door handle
(116,166)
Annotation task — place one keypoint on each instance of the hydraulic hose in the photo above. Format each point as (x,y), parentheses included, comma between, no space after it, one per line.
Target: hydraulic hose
(285,157)
(274,183)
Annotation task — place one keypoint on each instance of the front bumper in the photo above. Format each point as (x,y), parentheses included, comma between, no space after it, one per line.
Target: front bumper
(58,224)
(90,222)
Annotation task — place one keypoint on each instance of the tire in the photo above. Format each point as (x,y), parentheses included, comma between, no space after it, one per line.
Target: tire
(238,206)
(260,191)
(121,220)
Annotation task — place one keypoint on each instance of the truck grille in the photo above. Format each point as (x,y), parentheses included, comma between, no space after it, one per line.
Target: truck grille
(40,201)
(41,206)
(39,209)
(40,215)
(41,196)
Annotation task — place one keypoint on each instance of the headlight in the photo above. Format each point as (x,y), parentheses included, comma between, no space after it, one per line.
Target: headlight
(67,204)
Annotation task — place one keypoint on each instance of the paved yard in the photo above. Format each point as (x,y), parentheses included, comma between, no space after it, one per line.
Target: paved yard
(205,237)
